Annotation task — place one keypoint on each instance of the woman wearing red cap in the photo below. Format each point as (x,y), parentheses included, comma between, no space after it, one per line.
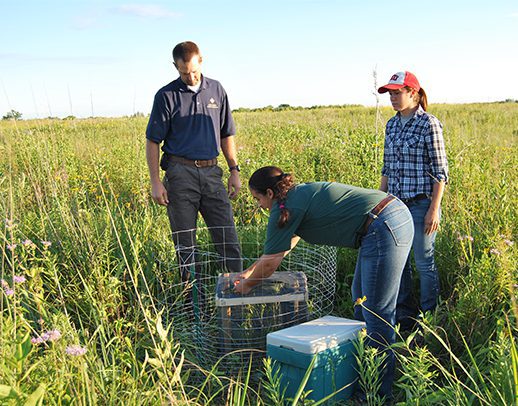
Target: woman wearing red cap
(415,169)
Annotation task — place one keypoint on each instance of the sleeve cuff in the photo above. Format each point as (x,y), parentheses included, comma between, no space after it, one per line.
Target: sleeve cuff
(153,139)
(441,177)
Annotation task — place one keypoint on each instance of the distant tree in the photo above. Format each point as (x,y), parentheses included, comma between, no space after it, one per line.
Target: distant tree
(12,115)
(69,117)
(242,110)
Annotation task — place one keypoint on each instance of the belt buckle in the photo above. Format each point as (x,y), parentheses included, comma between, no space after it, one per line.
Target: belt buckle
(196,164)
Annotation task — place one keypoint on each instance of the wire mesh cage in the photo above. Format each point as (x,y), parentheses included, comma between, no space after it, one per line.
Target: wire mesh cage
(221,327)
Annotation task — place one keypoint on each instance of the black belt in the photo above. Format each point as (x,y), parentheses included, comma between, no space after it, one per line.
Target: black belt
(375,212)
(198,163)
(420,196)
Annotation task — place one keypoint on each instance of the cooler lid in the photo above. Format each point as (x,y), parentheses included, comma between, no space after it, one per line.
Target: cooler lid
(316,335)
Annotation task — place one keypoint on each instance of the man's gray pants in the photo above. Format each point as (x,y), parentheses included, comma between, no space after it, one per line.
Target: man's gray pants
(191,190)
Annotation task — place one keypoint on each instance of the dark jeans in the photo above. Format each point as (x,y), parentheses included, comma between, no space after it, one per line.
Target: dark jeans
(381,259)
(191,190)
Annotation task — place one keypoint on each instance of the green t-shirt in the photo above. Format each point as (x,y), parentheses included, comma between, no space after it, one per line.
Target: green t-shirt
(324,213)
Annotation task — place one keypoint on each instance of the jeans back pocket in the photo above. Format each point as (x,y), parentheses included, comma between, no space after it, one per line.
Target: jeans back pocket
(401,228)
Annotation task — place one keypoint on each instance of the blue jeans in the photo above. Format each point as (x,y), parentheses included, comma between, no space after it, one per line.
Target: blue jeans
(383,252)
(423,248)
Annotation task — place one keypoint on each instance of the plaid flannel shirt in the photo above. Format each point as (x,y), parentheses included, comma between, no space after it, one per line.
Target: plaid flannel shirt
(414,156)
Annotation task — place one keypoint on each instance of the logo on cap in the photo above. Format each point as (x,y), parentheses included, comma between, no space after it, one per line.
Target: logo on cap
(394,77)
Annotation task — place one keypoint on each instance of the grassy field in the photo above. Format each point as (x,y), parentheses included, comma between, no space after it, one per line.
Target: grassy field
(80,238)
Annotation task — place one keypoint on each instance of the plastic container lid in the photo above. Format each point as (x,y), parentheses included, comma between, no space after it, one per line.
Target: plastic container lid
(316,335)
(285,286)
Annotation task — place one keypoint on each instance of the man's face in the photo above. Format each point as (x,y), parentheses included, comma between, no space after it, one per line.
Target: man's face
(190,72)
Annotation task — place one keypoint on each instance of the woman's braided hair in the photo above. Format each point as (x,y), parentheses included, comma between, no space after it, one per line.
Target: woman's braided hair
(280,183)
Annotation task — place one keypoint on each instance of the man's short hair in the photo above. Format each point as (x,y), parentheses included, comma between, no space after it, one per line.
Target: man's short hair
(185,51)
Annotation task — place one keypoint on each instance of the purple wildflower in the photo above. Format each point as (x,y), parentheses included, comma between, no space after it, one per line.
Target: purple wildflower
(494,251)
(37,340)
(19,279)
(9,292)
(28,243)
(11,247)
(4,283)
(46,244)
(75,350)
(469,238)
(54,335)
(509,242)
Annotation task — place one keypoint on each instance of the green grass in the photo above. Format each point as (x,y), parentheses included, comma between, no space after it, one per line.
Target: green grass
(83,186)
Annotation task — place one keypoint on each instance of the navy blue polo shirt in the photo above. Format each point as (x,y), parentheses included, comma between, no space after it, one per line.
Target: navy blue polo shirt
(191,124)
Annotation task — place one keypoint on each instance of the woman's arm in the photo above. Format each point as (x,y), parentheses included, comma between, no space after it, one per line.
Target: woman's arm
(384,184)
(261,269)
(439,174)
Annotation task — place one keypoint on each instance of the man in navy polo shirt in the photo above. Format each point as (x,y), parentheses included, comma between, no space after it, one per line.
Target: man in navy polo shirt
(192,117)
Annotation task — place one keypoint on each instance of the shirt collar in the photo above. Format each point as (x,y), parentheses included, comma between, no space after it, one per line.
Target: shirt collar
(419,112)
(204,82)
(183,87)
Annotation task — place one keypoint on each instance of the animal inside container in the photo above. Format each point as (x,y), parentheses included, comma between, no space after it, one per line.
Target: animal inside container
(277,302)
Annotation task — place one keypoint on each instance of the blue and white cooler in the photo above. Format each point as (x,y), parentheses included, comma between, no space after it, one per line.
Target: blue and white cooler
(330,339)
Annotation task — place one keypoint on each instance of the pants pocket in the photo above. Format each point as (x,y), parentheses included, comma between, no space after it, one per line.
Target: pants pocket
(402,230)
(171,169)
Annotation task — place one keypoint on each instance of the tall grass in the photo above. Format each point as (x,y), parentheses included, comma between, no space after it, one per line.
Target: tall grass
(82,186)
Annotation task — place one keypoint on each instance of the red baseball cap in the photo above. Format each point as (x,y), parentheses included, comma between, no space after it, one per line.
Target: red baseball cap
(399,80)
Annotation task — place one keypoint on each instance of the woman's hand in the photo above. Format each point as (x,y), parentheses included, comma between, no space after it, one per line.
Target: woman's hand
(261,269)
(241,284)
(431,221)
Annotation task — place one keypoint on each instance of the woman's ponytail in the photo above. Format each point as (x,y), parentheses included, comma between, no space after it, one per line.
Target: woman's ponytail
(281,190)
(423,100)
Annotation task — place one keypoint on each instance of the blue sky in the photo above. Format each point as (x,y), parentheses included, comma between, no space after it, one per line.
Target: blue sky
(110,57)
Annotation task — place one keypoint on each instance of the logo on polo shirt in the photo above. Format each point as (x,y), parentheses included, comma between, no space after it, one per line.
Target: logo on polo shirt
(212,104)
